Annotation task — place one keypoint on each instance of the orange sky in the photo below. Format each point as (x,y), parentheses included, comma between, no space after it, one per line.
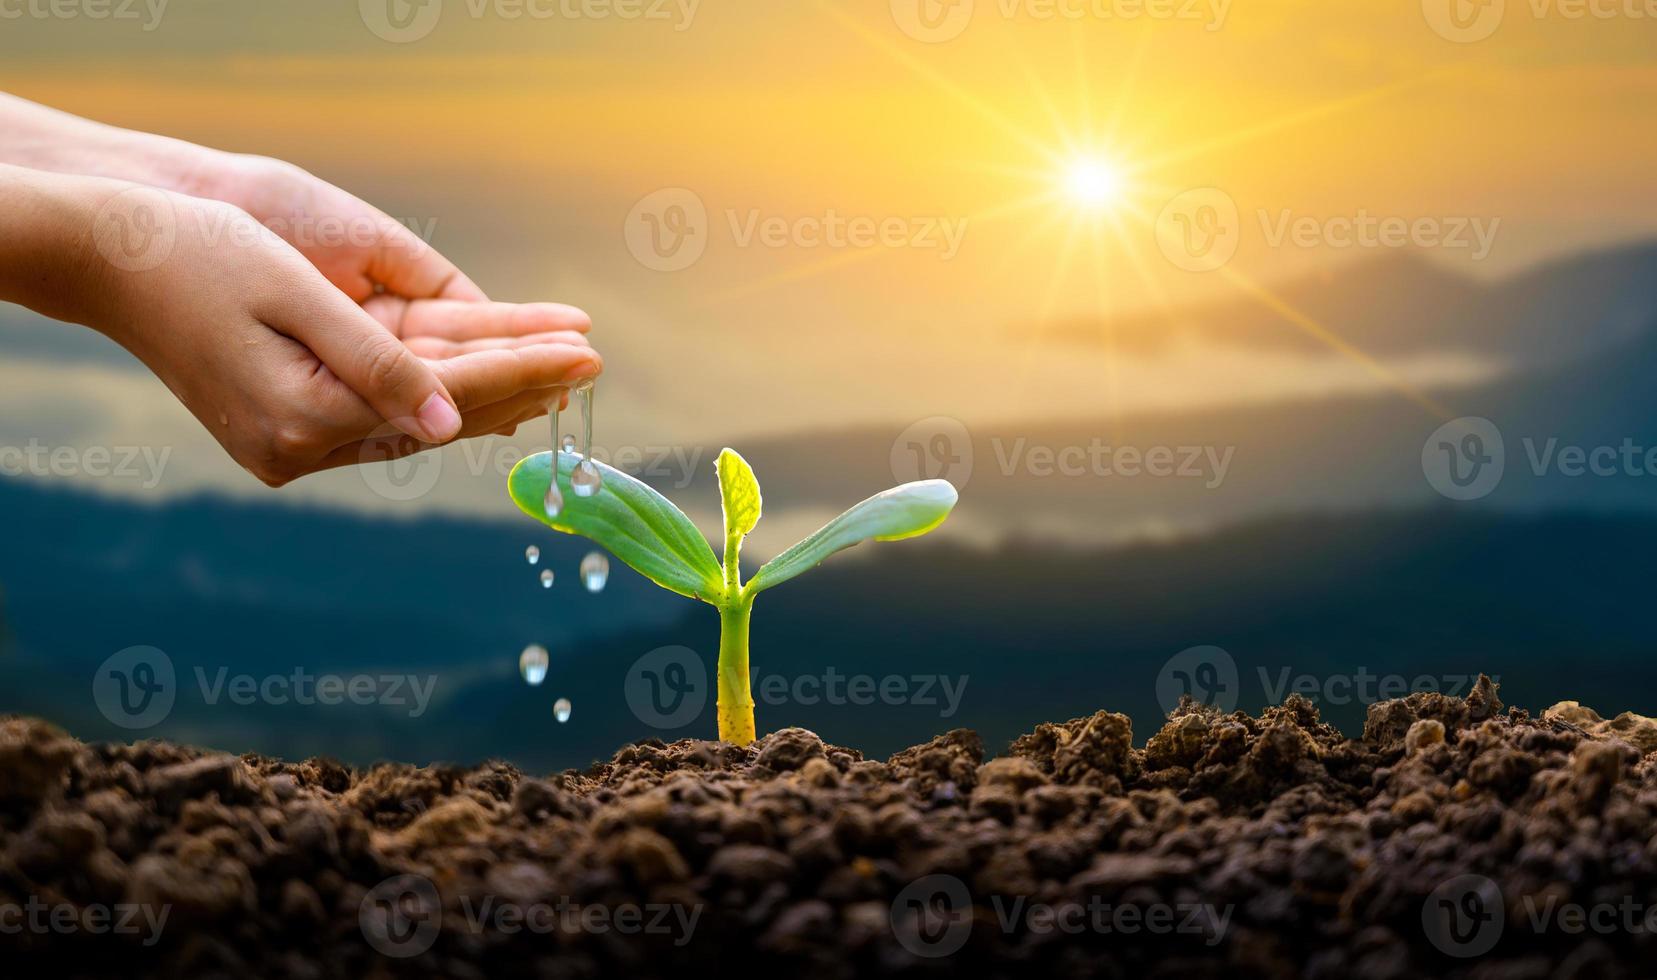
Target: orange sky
(529,141)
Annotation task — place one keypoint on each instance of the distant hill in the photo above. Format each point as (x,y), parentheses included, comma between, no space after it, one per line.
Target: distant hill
(1553,604)
(1351,452)
(1403,302)
(1323,549)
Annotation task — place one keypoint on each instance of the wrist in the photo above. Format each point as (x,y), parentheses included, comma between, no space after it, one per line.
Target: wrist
(262,186)
(69,243)
(46,249)
(44,139)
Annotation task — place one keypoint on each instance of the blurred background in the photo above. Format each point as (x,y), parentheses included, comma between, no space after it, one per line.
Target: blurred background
(1317,339)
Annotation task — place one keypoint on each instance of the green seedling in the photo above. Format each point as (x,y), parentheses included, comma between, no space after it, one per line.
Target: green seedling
(643,529)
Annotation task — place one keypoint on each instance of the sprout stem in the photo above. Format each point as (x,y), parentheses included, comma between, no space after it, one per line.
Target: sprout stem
(736,702)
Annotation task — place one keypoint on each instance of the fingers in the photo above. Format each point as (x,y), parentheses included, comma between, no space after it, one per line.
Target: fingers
(463,321)
(439,348)
(476,380)
(402,388)
(488,376)
(501,418)
(406,266)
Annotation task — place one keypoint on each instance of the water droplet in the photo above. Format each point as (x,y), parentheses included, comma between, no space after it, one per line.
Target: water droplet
(553,502)
(585,479)
(561,710)
(568,444)
(595,571)
(533,554)
(552,413)
(532,663)
(546,579)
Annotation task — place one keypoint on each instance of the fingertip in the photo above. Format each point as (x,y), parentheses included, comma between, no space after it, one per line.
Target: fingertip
(438,420)
(591,367)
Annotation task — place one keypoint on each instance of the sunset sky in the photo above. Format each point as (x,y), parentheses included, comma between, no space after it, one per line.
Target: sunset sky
(1049,145)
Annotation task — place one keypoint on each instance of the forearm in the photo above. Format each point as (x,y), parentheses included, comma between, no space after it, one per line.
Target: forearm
(48,259)
(40,138)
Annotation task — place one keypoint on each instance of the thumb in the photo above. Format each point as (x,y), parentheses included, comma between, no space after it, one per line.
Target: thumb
(378,366)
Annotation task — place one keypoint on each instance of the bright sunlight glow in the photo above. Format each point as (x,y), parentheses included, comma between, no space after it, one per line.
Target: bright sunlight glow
(1094,183)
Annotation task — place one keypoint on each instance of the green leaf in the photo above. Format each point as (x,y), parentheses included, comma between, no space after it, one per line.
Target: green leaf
(738,494)
(633,522)
(902,512)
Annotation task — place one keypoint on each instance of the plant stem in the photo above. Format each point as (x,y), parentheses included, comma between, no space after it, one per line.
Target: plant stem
(736,702)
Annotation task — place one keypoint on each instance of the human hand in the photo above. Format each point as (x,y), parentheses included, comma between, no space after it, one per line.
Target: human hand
(395,275)
(288,371)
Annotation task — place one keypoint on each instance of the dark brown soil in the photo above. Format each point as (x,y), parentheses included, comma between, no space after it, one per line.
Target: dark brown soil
(1226,846)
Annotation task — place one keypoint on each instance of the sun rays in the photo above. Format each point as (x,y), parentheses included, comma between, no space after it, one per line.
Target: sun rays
(1088,182)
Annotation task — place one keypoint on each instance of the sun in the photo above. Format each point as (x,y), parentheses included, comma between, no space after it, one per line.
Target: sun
(1094,183)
